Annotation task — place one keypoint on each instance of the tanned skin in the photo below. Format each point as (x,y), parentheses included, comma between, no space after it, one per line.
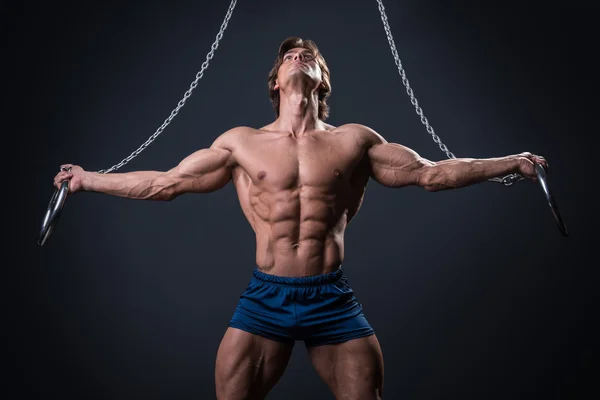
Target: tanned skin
(300,182)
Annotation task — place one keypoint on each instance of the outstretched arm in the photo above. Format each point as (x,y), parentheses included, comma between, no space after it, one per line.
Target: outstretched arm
(394,165)
(204,171)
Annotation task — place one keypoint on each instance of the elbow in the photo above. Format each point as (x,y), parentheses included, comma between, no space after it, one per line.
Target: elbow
(167,197)
(159,196)
(160,190)
(168,194)
(431,179)
(432,187)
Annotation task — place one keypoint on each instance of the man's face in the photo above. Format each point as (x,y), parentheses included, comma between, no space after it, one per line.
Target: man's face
(298,63)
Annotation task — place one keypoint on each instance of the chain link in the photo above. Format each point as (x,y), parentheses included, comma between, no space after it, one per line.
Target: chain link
(507,180)
(186,95)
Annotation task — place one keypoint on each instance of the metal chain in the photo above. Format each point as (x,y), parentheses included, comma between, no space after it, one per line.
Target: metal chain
(186,95)
(507,180)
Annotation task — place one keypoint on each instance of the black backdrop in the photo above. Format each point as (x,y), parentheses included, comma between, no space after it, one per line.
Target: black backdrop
(473,293)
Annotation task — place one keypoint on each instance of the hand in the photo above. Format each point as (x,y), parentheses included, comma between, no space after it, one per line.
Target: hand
(72,173)
(527,163)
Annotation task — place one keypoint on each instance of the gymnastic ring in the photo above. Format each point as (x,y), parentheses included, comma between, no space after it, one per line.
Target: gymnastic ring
(543,180)
(52,215)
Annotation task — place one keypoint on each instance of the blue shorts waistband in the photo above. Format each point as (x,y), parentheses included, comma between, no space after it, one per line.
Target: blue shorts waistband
(301,280)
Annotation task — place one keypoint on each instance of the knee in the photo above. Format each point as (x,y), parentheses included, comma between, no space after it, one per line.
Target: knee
(360,395)
(371,396)
(235,384)
(232,392)
(230,386)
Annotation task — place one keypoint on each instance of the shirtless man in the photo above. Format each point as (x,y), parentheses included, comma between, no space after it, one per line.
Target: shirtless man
(300,182)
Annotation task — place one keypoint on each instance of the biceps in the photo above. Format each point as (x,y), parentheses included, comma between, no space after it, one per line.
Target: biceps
(394,165)
(204,171)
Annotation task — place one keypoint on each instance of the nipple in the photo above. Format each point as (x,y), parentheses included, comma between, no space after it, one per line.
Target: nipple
(337,173)
(261,175)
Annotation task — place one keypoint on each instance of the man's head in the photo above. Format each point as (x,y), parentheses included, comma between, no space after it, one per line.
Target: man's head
(294,48)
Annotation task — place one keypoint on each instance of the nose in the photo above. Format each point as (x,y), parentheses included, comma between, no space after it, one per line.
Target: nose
(299,56)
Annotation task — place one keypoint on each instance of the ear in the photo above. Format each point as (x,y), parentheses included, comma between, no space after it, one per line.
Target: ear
(276,87)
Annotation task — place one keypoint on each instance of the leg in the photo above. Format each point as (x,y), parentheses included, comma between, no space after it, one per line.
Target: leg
(352,369)
(248,365)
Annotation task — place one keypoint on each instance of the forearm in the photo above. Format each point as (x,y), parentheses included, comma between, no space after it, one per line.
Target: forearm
(142,185)
(460,172)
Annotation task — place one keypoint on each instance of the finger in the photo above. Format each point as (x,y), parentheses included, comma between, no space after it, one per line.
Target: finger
(542,160)
(539,160)
(532,158)
(62,176)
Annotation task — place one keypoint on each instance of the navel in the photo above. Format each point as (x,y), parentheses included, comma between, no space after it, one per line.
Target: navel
(261,175)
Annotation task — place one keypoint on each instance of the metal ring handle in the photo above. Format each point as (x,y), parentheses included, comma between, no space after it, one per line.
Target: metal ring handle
(543,180)
(52,215)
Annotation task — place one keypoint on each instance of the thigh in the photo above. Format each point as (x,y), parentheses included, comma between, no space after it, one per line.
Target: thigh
(248,365)
(352,369)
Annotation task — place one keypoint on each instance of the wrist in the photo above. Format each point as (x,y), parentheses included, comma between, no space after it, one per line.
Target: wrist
(517,162)
(514,163)
(86,180)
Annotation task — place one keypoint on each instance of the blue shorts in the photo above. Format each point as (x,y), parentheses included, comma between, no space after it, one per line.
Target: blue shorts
(317,309)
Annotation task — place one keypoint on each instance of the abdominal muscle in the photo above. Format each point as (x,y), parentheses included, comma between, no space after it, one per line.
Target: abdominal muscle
(299,232)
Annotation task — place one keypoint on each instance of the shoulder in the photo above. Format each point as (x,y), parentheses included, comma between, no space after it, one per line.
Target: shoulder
(231,138)
(363,134)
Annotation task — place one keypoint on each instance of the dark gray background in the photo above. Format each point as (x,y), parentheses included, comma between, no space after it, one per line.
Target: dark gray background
(473,293)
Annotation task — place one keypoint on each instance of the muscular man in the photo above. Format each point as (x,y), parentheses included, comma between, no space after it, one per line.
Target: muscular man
(300,182)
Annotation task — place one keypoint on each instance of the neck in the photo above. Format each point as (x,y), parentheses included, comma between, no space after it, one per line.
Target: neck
(298,111)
